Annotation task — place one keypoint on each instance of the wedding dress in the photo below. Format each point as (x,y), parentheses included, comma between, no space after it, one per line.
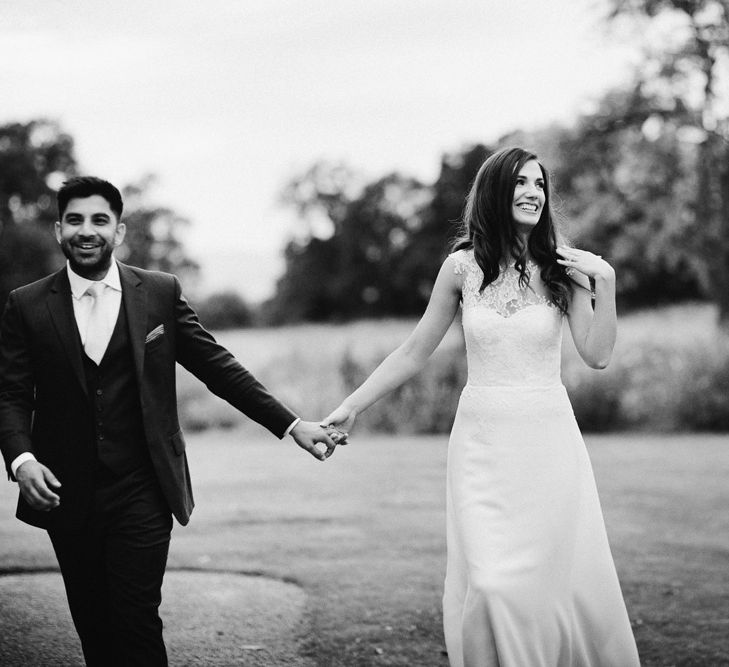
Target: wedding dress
(530,580)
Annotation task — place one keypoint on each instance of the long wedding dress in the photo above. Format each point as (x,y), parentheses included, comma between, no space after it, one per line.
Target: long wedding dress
(530,580)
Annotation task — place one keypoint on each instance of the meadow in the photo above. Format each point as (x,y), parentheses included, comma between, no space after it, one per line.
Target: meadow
(669,373)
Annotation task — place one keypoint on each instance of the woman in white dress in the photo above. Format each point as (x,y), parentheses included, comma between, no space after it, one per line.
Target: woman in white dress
(530,580)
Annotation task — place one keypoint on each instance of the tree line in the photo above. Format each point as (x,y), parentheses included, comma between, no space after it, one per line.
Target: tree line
(643,179)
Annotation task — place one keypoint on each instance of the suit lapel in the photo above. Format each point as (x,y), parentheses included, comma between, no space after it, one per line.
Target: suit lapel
(60,306)
(134,296)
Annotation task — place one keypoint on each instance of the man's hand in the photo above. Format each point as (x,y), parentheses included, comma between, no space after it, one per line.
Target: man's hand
(308,434)
(36,483)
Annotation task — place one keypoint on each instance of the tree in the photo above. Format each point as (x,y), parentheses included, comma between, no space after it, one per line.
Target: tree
(441,219)
(152,240)
(35,158)
(308,290)
(373,249)
(344,261)
(625,193)
(687,77)
(224,310)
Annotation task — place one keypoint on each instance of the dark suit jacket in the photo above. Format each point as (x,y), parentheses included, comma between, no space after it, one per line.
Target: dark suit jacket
(44,407)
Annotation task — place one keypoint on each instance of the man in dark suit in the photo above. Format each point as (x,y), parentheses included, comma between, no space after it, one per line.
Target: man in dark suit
(89,426)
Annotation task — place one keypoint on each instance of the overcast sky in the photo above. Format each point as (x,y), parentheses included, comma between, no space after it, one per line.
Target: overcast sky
(225,100)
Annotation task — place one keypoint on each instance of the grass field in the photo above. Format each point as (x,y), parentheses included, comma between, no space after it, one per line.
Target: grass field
(363,534)
(662,368)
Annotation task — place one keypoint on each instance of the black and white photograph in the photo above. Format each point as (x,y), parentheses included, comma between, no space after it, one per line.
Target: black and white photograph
(347,334)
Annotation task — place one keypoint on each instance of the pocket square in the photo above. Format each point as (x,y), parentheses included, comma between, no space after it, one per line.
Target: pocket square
(155,333)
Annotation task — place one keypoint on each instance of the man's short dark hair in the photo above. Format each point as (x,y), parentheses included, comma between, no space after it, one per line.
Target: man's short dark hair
(87,186)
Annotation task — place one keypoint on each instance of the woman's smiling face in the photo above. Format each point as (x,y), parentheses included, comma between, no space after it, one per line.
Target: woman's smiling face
(529,196)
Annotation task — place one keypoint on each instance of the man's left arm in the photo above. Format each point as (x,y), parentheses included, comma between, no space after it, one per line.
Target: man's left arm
(210,362)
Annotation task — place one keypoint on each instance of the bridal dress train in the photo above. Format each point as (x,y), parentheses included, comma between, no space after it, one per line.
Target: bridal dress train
(530,580)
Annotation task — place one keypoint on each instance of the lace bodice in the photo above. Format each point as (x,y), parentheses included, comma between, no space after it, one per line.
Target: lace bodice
(513,336)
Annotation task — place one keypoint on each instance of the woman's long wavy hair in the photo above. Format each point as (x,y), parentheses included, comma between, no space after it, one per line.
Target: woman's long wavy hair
(488,227)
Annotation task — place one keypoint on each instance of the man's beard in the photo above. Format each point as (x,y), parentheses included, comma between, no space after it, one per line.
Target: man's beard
(85,264)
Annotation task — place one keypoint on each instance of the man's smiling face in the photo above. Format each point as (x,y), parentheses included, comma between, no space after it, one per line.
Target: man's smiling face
(88,233)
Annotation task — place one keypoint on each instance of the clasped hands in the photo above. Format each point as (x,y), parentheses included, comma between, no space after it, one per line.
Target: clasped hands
(321,439)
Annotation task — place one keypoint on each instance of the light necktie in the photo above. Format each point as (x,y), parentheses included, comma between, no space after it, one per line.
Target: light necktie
(97,330)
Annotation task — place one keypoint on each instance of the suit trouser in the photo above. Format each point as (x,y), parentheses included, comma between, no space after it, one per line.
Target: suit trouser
(113,572)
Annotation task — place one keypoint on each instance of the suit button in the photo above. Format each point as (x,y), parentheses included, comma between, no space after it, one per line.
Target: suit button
(101,436)
(99,392)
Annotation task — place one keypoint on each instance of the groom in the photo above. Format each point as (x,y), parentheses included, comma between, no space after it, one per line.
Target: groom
(89,426)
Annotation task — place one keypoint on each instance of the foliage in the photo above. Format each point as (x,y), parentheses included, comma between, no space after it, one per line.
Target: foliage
(707,388)
(620,191)
(35,159)
(425,404)
(685,73)
(642,178)
(371,250)
(627,194)
(669,373)
(350,273)
(224,310)
(152,240)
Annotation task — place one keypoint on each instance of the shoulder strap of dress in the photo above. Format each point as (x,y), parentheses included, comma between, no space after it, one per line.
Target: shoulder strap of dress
(462,261)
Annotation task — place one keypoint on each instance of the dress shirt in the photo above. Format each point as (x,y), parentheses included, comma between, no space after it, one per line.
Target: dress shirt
(109,299)
(111,302)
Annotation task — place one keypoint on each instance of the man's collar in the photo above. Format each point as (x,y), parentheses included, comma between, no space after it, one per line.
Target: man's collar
(79,285)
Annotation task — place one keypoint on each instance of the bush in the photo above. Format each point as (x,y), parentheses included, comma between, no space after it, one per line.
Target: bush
(706,394)
(425,404)
(224,310)
(597,401)
(670,372)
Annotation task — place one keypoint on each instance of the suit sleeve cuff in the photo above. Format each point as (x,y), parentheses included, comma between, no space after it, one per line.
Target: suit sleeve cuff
(289,429)
(27,456)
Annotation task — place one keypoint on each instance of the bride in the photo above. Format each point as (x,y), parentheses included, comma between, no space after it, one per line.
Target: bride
(530,579)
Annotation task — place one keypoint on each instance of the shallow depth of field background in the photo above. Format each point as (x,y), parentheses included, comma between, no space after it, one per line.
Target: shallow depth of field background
(669,372)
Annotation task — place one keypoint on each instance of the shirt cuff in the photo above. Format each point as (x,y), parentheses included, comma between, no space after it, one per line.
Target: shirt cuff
(22,458)
(291,427)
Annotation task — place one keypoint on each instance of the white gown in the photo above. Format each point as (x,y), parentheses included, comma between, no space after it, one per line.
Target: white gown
(530,580)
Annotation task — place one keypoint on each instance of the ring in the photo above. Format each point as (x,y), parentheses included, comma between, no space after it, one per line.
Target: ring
(569,271)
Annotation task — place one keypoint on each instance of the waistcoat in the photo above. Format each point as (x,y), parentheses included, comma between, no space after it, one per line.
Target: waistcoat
(114,405)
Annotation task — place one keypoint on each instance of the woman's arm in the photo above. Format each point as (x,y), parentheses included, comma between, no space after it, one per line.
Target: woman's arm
(593,331)
(411,356)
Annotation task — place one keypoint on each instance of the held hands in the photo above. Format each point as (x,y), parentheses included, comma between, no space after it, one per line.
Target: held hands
(316,439)
(340,422)
(593,266)
(36,483)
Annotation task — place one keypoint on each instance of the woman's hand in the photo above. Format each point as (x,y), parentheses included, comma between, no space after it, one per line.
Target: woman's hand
(342,419)
(592,316)
(593,266)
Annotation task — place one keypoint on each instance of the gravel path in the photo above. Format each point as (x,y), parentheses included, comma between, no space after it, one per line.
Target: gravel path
(210,618)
